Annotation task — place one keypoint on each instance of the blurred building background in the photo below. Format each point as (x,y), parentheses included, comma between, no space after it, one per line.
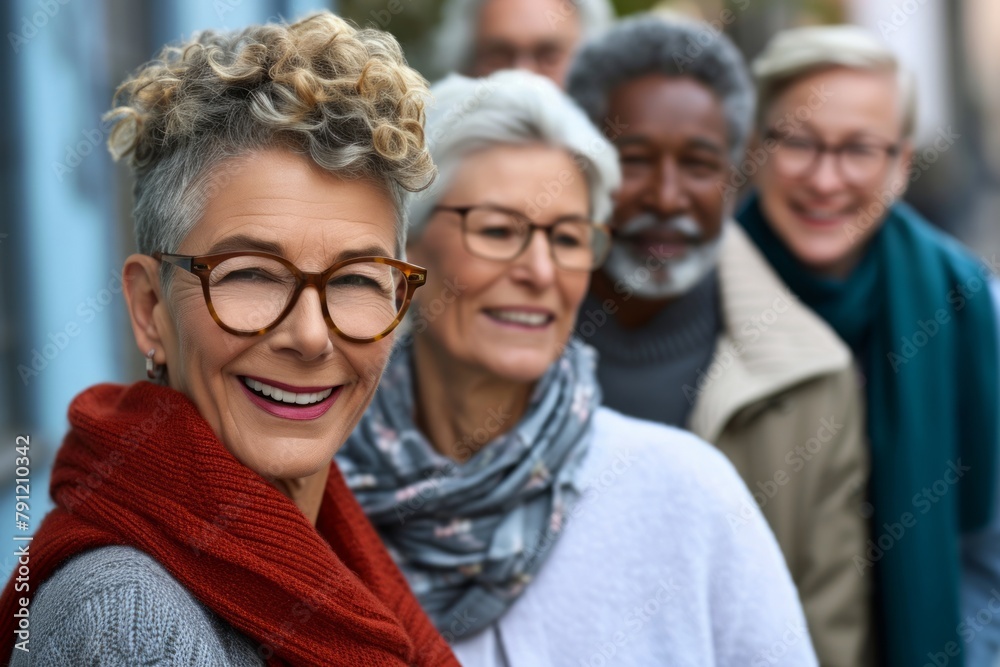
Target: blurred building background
(65,225)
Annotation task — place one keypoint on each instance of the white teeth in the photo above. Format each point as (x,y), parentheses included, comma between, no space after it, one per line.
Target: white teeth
(521,317)
(286,396)
(823,215)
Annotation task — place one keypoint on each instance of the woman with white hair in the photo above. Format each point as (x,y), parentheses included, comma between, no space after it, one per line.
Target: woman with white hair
(534,526)
(836,118)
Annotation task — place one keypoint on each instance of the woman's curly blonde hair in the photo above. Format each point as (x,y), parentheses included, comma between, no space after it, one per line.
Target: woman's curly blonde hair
(320,87)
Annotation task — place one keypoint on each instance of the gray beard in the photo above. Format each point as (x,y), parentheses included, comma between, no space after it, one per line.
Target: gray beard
(651,277)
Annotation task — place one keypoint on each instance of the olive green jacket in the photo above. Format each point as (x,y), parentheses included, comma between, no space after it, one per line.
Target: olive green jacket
(781,400)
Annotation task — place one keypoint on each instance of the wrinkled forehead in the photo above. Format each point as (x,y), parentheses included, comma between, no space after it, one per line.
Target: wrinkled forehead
(656,106)
(288,206)
(527,23)
(840,100)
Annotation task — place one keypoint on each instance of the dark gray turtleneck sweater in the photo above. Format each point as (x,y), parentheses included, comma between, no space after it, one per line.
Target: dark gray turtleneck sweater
(643,371)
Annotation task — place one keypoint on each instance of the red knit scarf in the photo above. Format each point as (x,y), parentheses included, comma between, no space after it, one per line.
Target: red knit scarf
(141,468)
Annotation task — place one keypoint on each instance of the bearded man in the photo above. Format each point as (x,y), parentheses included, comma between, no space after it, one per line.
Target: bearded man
(695,330)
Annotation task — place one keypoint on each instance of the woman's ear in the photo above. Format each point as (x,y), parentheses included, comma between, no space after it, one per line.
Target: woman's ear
(146,308)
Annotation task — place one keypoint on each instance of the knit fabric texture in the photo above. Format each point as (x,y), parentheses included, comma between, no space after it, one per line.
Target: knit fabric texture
(665,562)
(648,372)
(140,467)
(469,535)
(127,611)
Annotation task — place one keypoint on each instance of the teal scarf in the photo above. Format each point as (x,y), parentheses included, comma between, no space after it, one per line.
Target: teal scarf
(918,315)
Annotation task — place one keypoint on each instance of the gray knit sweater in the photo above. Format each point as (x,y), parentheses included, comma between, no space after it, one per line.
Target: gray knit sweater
(117,606)
(643,372)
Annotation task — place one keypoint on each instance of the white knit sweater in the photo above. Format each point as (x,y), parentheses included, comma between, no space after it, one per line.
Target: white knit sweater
(666,561)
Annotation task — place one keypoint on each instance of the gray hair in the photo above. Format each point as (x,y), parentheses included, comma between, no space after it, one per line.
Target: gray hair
(793,54)
(655,44)
(511,107)
(455,40)
(343,97)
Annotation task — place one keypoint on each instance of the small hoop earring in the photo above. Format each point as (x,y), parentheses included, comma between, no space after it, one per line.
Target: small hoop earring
(153,371)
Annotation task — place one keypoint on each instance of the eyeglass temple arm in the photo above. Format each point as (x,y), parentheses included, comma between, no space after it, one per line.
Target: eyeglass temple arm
(183,261)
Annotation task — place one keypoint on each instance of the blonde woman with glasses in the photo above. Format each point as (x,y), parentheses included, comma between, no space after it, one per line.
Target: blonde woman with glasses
(836,119)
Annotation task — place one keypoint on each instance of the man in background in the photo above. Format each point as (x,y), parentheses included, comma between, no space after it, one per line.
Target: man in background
(479,37)
(695,330)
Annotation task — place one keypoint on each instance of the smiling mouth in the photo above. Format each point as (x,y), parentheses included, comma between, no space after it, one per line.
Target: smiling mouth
(531,319)
(659,244)
(660,238)
(821,215)
(284,396)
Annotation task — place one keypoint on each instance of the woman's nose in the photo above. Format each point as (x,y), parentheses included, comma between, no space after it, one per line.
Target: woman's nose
(536,263)
(305,330)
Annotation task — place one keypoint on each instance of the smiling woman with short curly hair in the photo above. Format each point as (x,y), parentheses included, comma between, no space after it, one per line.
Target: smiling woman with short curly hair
(320,88)
(198,518)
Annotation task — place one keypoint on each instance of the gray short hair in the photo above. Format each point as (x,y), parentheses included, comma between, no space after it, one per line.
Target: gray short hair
(454,41)
(343,97)
(672,46)
(505,108)
(793,54)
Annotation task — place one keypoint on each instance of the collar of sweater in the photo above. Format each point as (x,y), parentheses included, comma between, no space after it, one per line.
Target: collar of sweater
(769,341)
(140,467)
(683,326)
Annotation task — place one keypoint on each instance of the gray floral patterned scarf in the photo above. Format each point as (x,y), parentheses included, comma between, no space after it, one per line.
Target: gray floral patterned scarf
(469,536)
